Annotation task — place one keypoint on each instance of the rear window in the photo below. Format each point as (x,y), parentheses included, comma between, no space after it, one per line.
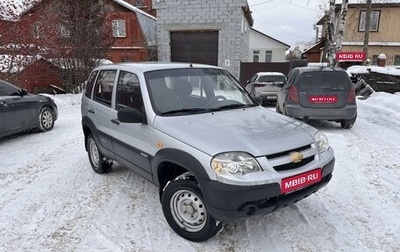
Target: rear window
(272,79)
(324,79)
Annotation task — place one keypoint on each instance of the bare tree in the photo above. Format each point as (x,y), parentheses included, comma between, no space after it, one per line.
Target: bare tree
(72,34)
(83,39)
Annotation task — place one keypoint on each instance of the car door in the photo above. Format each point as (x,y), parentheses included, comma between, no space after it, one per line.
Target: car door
(131,141)
(99,111)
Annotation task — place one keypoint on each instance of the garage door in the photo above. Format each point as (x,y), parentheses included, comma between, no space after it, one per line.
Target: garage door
(195,47)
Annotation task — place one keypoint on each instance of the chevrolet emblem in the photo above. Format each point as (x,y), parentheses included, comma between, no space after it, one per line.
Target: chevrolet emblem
(296,157)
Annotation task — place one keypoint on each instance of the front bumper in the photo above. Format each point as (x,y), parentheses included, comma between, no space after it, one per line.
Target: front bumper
(227,202)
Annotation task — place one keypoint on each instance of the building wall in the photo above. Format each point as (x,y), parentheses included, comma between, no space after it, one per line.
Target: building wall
(386,40)
(129,48)
(226,17)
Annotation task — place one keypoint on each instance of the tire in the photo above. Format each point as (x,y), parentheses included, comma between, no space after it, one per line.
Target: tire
(97,161)
(185,211)
(348,124)
(46,119)
(277,108)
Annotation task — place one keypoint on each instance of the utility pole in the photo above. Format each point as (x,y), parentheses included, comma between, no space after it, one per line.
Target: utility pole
(366,32)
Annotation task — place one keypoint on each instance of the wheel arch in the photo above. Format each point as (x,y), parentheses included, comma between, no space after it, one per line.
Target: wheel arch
(168,164)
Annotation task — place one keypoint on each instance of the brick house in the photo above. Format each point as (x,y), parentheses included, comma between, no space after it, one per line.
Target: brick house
(133,38)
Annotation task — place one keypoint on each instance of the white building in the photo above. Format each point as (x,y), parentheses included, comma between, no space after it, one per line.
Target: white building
(263,48)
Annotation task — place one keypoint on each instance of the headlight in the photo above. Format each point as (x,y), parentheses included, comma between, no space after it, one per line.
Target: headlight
(238,163)
(321,142)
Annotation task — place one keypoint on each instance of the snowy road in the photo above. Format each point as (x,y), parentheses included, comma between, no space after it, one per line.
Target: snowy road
(51,200)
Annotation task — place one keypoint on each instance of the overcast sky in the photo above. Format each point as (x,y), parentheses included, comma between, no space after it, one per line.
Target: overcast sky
(290,21)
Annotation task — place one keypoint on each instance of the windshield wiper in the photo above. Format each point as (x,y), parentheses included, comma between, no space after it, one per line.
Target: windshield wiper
(185,110)
(235,105)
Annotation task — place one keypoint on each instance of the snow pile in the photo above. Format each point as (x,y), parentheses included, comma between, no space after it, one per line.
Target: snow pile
(355,70)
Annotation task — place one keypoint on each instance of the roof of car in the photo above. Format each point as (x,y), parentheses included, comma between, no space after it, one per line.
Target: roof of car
(319,68)
(154,65)
(270,73)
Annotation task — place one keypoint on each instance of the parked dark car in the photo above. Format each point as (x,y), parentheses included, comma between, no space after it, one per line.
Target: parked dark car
(21,111)
(322,93)
(266,85)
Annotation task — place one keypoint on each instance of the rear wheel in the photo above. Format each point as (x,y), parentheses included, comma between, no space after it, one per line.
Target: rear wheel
(185,211)
(97,160)
(348,124)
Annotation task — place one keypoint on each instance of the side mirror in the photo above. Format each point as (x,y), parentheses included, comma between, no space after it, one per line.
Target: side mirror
(23,92)
(130,115)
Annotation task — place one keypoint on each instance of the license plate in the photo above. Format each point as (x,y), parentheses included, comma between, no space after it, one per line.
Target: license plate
(297,182)
(322,98)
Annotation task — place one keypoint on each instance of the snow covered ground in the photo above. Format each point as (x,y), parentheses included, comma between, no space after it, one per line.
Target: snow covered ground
(51,200)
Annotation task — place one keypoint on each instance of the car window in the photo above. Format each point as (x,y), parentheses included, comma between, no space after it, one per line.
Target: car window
(128,91)
(6,89)
(323,79)
(273,79)
(104,86)
(90,83)
(193,88)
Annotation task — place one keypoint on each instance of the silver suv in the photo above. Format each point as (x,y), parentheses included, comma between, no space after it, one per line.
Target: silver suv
(192,130)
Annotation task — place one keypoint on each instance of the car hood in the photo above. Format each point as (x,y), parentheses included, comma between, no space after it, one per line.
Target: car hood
(255,130)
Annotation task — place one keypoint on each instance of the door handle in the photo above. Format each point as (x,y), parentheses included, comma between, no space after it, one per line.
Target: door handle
(115,121)
(91,111)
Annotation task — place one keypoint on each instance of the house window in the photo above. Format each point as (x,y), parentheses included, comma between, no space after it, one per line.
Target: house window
(397,60)
(256,56)
(268,56)
(119,28)
(37,30)
(374,23)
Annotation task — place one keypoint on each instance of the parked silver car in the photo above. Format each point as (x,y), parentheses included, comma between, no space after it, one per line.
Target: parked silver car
(192,130)
(266,85)
(322,93)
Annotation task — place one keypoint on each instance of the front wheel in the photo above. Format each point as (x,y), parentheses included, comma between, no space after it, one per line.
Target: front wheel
(185,211)
(97,161)
(46,119)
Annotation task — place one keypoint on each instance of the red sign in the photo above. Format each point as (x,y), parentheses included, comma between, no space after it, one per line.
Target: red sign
(299,181)
(350,56)
(322,99)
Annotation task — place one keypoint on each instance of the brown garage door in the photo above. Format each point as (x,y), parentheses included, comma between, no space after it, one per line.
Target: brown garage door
(195,47)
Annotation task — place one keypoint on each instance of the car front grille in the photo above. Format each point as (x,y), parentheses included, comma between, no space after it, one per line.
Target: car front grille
(281,161)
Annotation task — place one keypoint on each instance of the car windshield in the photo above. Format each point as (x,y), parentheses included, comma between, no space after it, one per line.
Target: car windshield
(324,79)
(195,90)
(273,79)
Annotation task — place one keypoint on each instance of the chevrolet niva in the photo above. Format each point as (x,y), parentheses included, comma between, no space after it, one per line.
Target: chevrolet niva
(192,130)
